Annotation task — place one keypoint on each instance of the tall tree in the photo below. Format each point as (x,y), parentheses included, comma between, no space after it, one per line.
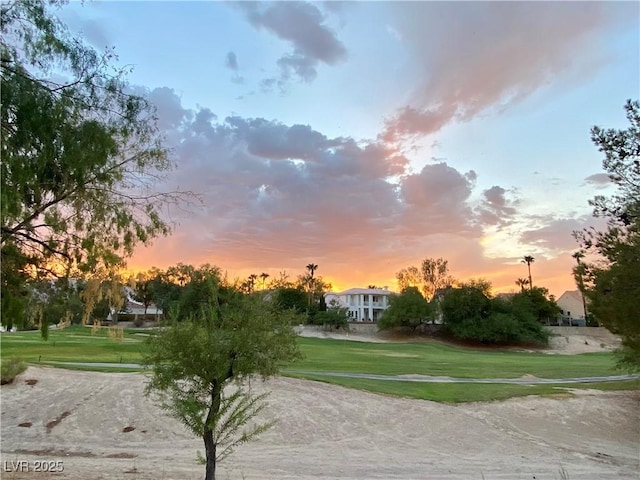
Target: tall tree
(528,259)
(142,286)
(613,284)
(233,337)
(311,268)
(578,273)
(81,157)
(264,277)
(409,277)
(435,276)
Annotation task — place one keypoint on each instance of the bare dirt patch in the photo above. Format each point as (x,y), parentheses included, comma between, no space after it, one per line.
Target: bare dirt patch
(324,431)
(53,423)
(31,381)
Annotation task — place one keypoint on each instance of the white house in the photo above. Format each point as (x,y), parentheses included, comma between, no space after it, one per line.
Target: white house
(364,304)
(572,307)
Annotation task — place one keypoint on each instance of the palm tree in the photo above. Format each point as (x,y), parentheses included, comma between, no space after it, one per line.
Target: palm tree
(528,259)
(522,282)
(312,267)
(579,271)
(264,276)
(252,281)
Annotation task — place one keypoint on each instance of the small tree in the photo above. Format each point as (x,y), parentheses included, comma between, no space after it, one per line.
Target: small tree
(333,316)
(408,309)
(233,337)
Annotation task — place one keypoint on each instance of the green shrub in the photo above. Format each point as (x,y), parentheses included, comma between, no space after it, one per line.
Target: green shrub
(10,369)
(468,314)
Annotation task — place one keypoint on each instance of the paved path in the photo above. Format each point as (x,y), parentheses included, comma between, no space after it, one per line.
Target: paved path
(526,380)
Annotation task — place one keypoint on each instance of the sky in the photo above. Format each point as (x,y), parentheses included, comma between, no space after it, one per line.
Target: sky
(366,136)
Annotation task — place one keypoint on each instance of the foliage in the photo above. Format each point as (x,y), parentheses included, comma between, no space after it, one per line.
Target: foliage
(228,338)
(407,309)
(469,314)
(81,155)
(537,302)
(612,284)
(333,316)
(10,369)
(290,298)
(54,302)
(432,276)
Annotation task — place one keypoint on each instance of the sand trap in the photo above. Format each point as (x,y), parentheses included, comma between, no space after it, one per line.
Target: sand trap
(102,427)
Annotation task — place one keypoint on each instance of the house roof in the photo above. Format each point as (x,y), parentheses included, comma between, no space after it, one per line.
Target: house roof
(364,291)
(571,294)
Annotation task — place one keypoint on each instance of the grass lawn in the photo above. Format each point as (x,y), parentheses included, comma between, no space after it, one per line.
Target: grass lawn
(465,392)
(439,359)
(73,344)
(81,344)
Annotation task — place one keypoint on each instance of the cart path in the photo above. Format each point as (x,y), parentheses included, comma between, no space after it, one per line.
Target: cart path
(525,380)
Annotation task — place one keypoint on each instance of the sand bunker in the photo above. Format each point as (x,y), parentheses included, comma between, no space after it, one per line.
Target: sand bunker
(102,427)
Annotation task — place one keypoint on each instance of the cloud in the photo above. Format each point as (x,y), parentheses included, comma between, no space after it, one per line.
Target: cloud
(495,208)
(556,234)
(598,180)
(302,25)
(231,62)
(277,195)
(475,56)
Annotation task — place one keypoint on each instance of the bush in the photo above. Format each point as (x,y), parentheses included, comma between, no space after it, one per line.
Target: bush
(333,317)
(10,369)
(468,314)
(408,309)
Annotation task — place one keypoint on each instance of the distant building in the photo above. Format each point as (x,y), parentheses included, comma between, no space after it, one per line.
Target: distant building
(364,304)
(135,308)
(572,308)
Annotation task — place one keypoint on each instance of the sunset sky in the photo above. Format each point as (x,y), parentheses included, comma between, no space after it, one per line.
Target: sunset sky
(364,137)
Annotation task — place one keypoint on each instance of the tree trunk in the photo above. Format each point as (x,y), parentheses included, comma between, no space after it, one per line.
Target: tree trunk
(210,445)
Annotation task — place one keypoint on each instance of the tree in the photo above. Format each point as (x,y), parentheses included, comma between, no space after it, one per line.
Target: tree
(432,276)
(195,360)
(312,267)
(407,309)
(81,157)
(435,276)
(264,277)
(409,277)
(334,315)
(142,286)
(578,273)
(537,302)
(469,314)
(612,283)
(528,259)
(522,283)
(291,298)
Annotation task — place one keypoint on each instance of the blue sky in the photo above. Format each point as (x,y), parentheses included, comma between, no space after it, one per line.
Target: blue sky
(364,137)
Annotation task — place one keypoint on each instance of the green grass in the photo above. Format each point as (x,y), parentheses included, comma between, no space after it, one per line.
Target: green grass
(10,368)
(73,344)
(439,359)
(465,392)
(81,344)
